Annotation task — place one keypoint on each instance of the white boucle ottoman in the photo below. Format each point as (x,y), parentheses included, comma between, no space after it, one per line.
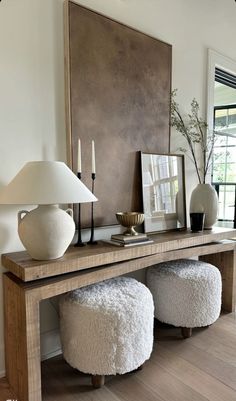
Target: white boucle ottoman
(107,328)
(186,293)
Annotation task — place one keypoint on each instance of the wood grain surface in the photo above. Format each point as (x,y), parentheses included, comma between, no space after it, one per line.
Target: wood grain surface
(22,299)
(75,259)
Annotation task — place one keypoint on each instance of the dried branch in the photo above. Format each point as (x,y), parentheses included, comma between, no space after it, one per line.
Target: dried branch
(195,131)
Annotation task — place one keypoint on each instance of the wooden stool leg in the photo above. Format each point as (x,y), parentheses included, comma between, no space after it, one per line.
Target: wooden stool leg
(98,381)
(186,332)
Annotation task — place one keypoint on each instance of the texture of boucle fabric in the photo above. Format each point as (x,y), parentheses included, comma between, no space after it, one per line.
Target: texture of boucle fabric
(107,328)
(186,293)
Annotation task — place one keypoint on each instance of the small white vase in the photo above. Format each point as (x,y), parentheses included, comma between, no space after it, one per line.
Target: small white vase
(204,199)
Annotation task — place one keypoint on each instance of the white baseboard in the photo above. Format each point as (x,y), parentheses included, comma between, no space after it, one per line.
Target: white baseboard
(51,354)
(2,364)
(2,373)
(50,344)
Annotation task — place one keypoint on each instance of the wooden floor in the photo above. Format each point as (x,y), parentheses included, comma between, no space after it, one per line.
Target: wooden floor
(200,368)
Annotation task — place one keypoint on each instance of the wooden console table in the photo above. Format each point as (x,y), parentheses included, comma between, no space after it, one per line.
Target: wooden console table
(28,282)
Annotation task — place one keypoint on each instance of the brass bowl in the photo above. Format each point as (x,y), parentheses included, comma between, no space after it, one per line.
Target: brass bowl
(130,220)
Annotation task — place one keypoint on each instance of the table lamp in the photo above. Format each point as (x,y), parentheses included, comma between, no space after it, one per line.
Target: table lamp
(46,231)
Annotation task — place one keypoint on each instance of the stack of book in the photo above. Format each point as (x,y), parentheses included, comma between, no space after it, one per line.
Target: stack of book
(129,240)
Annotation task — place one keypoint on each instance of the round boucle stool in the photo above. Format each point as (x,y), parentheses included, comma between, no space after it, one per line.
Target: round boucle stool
(186,293)
(107,328)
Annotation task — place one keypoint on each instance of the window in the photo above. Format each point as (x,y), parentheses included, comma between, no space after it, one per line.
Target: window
(224,160)
(221,105)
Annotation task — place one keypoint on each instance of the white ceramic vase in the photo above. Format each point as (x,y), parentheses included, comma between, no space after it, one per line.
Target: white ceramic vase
(204,199)
(46,232)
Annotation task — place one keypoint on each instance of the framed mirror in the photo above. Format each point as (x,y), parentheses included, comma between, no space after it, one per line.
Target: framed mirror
(163,187)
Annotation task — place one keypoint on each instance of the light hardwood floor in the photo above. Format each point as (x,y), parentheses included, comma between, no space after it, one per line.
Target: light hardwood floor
(200,368)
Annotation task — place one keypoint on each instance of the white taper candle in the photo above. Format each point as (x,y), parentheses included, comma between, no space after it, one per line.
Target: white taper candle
(93,159)
(79,168)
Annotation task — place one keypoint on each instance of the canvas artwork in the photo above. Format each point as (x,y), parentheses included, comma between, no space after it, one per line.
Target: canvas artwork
(118,94)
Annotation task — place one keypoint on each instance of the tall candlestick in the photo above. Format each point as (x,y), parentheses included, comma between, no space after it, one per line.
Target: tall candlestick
(91,241)
(93,159)
(79,169)
(79,241)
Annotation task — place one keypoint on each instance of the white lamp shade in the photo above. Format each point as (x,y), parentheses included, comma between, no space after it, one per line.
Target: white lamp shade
(45,183)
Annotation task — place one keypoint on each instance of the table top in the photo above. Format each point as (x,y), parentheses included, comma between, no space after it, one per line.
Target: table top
(75,259)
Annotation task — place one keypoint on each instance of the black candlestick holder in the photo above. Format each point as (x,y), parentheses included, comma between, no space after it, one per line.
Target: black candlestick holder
(79,241)
(91,241)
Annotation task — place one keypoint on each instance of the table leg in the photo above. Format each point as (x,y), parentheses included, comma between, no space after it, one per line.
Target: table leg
(226,263)
(22,341)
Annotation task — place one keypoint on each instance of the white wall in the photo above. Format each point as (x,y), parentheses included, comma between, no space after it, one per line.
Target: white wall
(32,91)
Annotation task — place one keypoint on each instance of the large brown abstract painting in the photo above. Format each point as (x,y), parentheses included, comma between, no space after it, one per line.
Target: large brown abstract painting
(118,94)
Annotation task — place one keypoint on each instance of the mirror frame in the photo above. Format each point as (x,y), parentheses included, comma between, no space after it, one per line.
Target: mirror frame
(184,227)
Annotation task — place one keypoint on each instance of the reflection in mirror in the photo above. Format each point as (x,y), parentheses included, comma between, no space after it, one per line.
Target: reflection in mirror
(163,192)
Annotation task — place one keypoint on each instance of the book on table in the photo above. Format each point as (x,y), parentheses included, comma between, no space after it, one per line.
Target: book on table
(128,244)
(128,239)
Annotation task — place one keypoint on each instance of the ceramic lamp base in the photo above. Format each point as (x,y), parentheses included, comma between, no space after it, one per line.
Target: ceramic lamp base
(46,232)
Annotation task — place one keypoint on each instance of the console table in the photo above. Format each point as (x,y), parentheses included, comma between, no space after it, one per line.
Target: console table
(28,282)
